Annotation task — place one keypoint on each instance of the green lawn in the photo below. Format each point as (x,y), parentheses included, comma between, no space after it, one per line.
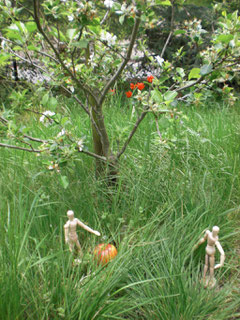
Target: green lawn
(168,192)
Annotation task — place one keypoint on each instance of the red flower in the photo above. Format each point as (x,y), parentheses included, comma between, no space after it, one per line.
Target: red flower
(150,78)
(132,86)
(129,94)
(140,86)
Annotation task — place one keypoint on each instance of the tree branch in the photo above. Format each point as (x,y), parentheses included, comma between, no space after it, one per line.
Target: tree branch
(94,155)
(139,120)
(105,17)
(125,61)
(190,85)
(62,86)
(5,123)
(171,31)
(71,74)
(21,148)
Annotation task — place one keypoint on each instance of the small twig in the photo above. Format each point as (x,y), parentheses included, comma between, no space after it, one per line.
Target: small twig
(5,123)
(38,51)
(94,155)
(190,85)
(105,17)
(171,31)
(24,142)
(21,148)
(131,134)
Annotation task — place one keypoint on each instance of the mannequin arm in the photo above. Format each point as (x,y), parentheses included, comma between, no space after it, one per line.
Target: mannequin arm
(203,239)
(81,224)
(222,257)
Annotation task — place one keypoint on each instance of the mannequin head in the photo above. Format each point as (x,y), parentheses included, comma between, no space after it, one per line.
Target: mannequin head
(215,231)
(70,215)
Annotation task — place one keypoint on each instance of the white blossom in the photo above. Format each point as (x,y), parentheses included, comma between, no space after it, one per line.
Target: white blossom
(44,118)
(61,133)
(3,44)
(108,3)
(80,145)
(159,60)
(71,89)
(124,7)
(110,39)
(70,18)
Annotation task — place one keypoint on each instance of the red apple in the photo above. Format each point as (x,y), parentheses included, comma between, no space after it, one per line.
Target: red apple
(103,253)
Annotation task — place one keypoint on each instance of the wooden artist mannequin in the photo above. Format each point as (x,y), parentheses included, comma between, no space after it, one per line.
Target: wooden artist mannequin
(212,241)
(70,231)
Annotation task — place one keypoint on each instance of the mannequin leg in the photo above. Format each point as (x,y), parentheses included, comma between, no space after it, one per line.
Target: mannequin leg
(71,246)
(212,262)
(78,246)
(205,267)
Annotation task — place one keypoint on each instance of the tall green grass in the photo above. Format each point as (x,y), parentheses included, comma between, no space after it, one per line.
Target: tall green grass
(168,192)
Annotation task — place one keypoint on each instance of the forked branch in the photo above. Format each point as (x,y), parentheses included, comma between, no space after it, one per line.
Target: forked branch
(79,83)
(126,59)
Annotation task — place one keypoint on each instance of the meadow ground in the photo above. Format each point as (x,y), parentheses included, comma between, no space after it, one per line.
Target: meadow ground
(169,190)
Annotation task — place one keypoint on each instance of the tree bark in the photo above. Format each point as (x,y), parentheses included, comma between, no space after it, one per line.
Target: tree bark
(99,135)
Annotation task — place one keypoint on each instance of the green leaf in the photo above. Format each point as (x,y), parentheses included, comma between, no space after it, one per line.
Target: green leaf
(121,19)
(194,74)
(71,33)
(179,32)
(4,59)
(181,72)
(205,69)
(53,102)
(45,99)
(17,48)
(95,22)
(116,6)
(156,95)
(33,48)
(163,79)
(170,95)
(53,147)
(64,120)
(95,29)
(83,44)
(225,38)
(163,2)
(14,35)
(21,27)
(31,26)
(64,181)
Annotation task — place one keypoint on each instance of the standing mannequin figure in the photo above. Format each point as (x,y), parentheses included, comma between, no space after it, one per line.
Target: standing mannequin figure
(212,241)
(70,231)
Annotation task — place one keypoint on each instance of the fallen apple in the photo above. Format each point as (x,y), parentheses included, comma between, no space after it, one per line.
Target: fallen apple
(103,253)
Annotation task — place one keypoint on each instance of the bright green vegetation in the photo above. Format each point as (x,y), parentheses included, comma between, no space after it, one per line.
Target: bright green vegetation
(167,194)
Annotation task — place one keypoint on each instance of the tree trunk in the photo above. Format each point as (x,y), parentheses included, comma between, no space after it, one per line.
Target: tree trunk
(100,137)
